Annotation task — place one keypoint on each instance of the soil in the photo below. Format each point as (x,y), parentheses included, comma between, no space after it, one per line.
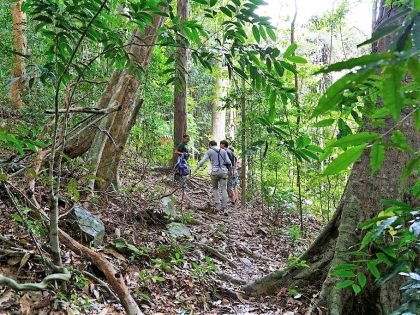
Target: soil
(201,274)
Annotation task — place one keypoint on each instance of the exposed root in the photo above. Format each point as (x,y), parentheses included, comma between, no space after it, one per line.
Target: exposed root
(218,254)
(11,283)
(114,278)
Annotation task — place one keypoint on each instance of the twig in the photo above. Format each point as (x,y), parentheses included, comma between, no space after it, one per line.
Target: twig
(102,283)
(28,229)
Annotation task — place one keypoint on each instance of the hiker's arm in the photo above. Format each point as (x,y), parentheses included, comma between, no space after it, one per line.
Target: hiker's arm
(203,160)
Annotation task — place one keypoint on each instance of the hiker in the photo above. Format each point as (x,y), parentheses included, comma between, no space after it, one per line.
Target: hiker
(181,168)
(220,166)
(225,145)
(183,147)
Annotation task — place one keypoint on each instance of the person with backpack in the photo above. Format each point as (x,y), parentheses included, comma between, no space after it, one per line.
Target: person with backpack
(220,166)
(225,145)
(181,168)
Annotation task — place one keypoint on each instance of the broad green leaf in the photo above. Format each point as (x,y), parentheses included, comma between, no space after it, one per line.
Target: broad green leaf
(355,139)
(346,267)
(356,288)
(373,269)
(366,60)
(279,68)
(290,50)
(256,33)
(288,66)
(344,284)
(334,95)
(240,72)
(391,91)
(324,123)
(361,278)
(343,273)
(377,156)
(344,160)
(297,59)
(271,33)
(226,11)
(381,32)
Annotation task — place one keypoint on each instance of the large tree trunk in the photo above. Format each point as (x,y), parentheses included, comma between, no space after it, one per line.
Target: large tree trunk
(109,145)
(180,86)
(361,200)
(218,113)
(81,138)
(19,46)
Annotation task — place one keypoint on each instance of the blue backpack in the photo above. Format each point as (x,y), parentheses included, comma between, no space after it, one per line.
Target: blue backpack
(183,167)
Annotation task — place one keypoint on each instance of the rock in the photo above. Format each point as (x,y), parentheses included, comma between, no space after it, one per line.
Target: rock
(176,229)
(167,205)
(245,261)
(89,226)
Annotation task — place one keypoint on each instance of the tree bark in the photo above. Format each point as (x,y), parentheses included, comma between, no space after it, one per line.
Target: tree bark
(219,114)
(19,47)
(243,147)
(361,200)
(82,136)
(181,74)
(109,145)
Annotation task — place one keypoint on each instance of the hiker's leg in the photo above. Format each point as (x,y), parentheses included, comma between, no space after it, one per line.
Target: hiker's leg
(215,186)
(230,187)
(223,187)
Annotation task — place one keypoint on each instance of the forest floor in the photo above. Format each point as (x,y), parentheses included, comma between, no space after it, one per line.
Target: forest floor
(200,273)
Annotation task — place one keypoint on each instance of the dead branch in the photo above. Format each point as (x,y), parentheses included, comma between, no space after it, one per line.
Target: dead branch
(216,253)
(88,110)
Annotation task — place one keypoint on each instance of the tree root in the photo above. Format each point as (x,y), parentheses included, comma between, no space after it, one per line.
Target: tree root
(115,279)
(65,275)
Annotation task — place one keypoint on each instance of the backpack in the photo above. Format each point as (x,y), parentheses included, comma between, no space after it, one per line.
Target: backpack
(183,167)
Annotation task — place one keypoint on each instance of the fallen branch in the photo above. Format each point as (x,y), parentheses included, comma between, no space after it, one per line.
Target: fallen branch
(114,278)
(216,253)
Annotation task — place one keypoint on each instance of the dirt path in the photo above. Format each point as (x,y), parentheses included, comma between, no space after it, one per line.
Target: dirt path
(200,274)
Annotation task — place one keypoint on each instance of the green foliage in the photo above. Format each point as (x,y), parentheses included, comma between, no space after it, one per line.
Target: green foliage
(204,269)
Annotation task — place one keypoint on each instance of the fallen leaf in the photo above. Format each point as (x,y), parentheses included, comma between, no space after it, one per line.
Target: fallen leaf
(25,305)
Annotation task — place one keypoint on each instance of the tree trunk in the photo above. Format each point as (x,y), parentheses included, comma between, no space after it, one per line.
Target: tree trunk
(109,145)
(19,46)
(82,136)
(219,114)
(361,200)
(243,147)
(180,86)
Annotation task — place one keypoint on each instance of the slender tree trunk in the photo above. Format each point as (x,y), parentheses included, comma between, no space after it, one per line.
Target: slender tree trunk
(19,46)
(219,114)
(298,163)
(243,148)
(181,75)
(360,201)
